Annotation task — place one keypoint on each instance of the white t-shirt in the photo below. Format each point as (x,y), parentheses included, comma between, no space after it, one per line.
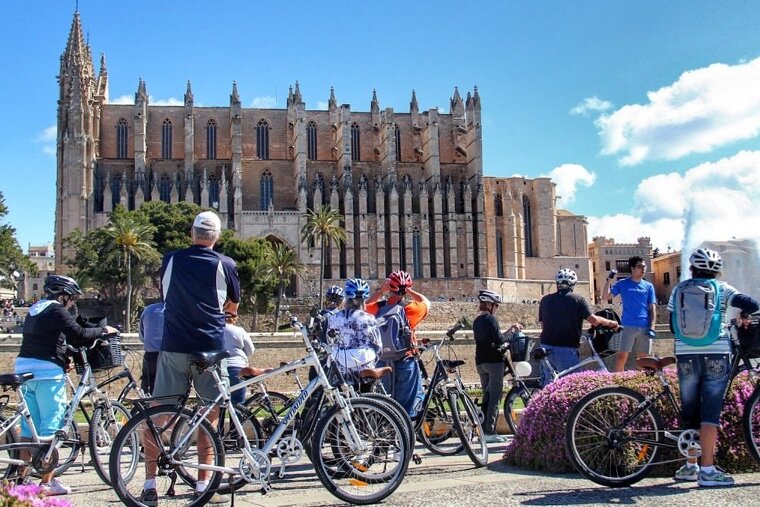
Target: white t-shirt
(358,342)
(237,341)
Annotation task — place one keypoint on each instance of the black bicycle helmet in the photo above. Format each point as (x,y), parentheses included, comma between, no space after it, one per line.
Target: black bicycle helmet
(56,285)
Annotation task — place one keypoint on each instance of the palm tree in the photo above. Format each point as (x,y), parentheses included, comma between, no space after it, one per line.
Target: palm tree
(133,238)
(262,273)
(283,264)
(323,226)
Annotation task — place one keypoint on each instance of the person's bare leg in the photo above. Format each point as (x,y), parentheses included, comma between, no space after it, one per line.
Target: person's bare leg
(708,437)
(620,360)
(205,448)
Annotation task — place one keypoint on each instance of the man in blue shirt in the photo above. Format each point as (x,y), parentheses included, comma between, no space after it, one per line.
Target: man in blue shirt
(151,332)
(639,311)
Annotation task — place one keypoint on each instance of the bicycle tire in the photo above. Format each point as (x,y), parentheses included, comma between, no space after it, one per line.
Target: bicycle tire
(469,428)
(267,413)
(436,429)
(601,449)
(350,476)
(751,425)
(521,393)
(103,430)
(129,487)
(8,471)
(400,412)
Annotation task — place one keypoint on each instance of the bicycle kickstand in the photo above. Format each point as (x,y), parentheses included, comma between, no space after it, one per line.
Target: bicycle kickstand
(170,492)
(417,459)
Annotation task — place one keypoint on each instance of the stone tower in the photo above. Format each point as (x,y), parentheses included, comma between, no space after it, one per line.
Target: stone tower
(81,96)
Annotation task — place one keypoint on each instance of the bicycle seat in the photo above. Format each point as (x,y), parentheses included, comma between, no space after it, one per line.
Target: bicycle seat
(452,364)
(250,371)
(15,379)
(208,358)
(539,353)
(375,373)
(655,363)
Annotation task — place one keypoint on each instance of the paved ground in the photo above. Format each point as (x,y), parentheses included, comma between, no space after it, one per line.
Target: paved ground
(452,481)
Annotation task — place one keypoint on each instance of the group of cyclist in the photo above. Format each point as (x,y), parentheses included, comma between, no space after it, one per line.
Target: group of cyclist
(193,320)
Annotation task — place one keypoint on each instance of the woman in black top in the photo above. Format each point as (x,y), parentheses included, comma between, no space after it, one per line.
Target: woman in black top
(489,360)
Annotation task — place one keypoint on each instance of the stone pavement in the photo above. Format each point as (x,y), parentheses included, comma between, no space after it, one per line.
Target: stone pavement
(452,481)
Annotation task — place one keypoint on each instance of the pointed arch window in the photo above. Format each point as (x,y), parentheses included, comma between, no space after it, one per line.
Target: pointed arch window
(499,256)
(416,253)
(211,140)
(460,200)
(527,227)
(165,188)
(266,189)
(311,140)
(116,191)
(262,140)
(498,206)
(397,135)
(121,138)
(355,142)
(166,139)
(319,183)
(213,191)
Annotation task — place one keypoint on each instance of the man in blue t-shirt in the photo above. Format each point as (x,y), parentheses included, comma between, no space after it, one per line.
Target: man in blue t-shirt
(639,311)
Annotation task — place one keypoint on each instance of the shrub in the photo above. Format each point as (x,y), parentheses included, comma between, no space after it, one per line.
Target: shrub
(28,495)
(540,440)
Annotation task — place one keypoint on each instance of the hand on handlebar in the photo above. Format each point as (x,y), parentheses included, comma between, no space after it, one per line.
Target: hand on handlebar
(108,330)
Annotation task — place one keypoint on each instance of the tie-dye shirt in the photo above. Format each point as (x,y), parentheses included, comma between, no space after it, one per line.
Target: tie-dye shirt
(357,339)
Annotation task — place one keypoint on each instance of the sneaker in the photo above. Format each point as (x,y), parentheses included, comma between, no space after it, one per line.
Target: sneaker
(715,478)
(688,472)
(149,497)
(55,488)
(494,439)
(216,499)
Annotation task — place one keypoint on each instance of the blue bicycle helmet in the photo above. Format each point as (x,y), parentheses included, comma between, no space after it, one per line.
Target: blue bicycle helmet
(334,294)
(356,288)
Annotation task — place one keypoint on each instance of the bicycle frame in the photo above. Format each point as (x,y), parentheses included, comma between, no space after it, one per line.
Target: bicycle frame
(593,358)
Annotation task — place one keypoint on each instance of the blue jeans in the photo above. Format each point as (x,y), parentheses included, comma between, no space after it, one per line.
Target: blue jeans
(561,358)
(405,386)
(239,395)
(702,380)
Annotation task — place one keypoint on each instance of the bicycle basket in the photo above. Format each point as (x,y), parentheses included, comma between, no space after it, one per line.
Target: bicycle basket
(518,346)
(749,338)
(102,357)
(606,341)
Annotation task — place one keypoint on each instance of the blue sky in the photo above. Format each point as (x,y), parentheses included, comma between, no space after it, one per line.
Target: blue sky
(642,111)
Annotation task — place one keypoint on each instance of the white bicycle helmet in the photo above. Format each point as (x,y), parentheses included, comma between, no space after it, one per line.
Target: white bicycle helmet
(566,278)
(489,296)
(706,260)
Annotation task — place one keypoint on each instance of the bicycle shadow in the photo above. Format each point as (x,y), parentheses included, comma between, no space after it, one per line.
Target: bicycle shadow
(618,496)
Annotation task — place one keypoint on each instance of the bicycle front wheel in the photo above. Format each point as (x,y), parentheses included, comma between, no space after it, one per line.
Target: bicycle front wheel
(364,471)
(751,425)
(104,426)
(517,400)
(203,447)
(610,439)
(468,426)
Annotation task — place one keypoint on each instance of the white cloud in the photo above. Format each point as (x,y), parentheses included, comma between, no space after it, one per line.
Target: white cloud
(266,102)
(322,106)
(704,109)
(591,104)
(568,177)
(171,101)
(123,99)
(712,201)
(48,138)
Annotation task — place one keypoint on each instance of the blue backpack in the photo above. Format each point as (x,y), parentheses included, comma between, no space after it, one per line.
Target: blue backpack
(395,332)
(696,314)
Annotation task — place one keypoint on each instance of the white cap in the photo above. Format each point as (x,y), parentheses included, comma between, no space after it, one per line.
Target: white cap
(208,220)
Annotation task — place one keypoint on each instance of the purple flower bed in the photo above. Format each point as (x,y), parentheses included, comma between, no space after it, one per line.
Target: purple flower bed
(540,440)
(28,495)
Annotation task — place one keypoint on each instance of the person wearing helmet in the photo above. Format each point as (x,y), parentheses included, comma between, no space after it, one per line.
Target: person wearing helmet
(704,366)
(561,315)
(332,302)
(355,331)
(639,311)
(489,360)
(405,384)
(48,328)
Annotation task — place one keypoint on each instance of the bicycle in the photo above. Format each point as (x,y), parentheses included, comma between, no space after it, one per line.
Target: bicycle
(615,435)
(358,449)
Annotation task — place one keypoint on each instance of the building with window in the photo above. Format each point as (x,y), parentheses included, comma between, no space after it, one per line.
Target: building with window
(666,272)
(606,255)
(30,288)
(409,184)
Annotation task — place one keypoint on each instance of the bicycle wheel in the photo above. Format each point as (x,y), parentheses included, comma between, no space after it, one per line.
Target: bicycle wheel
(268,409)
(517,399)
(399,411)
(7,471)
(124,457)
(436,428)
(372,472)
(468,427)
(104,426)
(68,451)
(610,440)
(751,425)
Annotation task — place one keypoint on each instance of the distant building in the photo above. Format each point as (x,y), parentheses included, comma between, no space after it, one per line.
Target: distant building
(43,257)
(666,273)
(741,264)
(606,255)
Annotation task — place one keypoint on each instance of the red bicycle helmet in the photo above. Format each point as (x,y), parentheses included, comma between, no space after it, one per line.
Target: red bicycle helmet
(399,281)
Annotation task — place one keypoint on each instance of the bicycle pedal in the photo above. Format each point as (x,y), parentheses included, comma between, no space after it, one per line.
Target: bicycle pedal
(417,459)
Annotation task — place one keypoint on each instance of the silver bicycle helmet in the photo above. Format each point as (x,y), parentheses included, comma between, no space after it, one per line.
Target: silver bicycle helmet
(489,296)
(706,260)
(566,278)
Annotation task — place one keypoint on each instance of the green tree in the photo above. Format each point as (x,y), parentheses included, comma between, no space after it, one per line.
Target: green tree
(253,257)
(321,227)
(133,238)
(172,223)
(12,258)
(283,264)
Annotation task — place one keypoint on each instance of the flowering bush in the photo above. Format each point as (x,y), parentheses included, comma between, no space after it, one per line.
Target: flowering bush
(28,495)
(540,440)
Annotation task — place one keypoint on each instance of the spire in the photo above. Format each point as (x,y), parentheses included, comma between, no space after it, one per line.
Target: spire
(103,70)
(375,104)
(297,94)
(77,73)
(413,107)
(457,107)
(189,94)
(476,98)
(290,96)
(235,96)
(142,93)
(332,103)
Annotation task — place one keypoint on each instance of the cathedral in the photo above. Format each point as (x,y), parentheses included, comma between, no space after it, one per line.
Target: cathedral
(409,185)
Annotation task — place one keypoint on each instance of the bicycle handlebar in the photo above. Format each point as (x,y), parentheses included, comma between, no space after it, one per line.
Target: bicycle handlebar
(95,342)
(450,333)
